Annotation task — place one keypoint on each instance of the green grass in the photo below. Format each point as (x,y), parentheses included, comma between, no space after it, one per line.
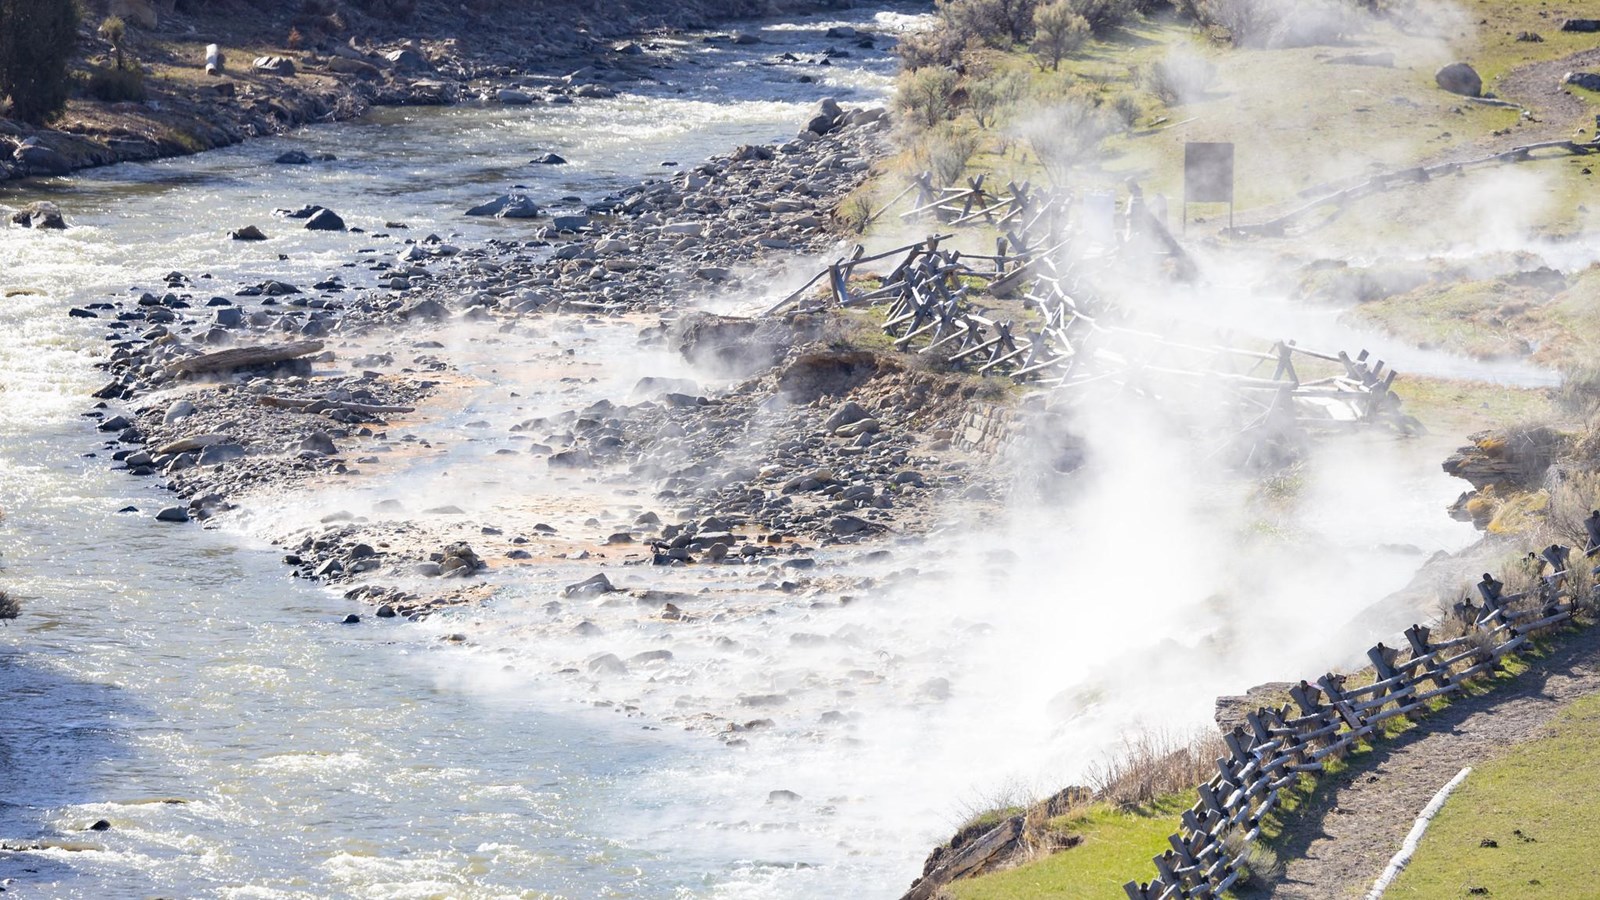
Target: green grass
(1549,791)
(1117,846)
(1472,318)
(1448,406)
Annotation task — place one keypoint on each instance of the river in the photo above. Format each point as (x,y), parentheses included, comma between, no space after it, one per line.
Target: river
(174,681)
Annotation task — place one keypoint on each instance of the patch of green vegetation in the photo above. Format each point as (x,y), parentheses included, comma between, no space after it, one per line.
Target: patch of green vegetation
(1466,406)
(1493,48)
(1116,845)
(1537,804)
(1472,318)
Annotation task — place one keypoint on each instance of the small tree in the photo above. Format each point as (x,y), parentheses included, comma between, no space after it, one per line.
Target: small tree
(925,95)
(36,42)
(1065,136)
(1057,31)
(989,95)
(113,29)
(999,23)
(1103,15)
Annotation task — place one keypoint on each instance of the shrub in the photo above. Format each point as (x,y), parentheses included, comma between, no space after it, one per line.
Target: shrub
(1151,764)
(1103,15)
(1246,22)
(855,211)
(295,40)
(925,95)
(1064,136)
(116,84)
(998,23)
(1126,111)
(988,95)
(1180,78)
(935,47)
(36,41)
(945,152)
(1058,30)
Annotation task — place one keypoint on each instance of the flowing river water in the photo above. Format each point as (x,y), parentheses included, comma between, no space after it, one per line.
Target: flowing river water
(176,683)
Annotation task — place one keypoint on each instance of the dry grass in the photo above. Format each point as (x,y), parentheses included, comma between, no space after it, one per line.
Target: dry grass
(1153,764)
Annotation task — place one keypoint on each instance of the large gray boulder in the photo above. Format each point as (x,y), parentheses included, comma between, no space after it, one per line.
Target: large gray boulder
(325,220)
(1459,78)
(41,214)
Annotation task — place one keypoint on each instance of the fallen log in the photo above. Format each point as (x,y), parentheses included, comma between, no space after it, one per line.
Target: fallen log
(305,404)
(243,357)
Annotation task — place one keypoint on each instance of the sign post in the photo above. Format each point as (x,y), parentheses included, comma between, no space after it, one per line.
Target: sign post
(1207,176)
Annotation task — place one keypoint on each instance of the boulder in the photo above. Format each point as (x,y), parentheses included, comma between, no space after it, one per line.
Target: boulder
(217,454)
(1581,25)
(513,97)
(173,514)
(407,59)
(753,153)
(293,158)
(247,233)
(317,442)
(507,206)
(1589,81)
(325,220)
(274,65)
(592,586)
(458,559)
(425,309)
(182,409)
(343,65)
(1459,78)
(848,413)
(35,158)
(549,159)
(40,214)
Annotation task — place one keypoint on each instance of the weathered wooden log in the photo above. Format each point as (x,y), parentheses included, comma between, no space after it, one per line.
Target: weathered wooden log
(969,859)
(303,403)
(243,357)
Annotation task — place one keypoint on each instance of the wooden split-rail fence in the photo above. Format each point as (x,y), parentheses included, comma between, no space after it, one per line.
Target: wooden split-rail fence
(1074,341)
(1385,181)
(1328,718)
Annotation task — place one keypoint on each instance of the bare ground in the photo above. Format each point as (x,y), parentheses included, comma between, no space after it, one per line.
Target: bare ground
(1342,838)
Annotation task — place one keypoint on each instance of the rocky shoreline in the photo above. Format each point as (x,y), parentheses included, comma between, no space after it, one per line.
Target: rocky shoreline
(429,59)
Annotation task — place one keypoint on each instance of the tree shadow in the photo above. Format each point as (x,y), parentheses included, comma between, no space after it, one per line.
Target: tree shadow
(59,736)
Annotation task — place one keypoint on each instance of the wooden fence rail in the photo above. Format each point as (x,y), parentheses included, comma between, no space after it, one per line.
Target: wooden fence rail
(1326,718)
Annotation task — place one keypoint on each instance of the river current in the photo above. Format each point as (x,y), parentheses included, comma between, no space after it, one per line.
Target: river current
(175,682)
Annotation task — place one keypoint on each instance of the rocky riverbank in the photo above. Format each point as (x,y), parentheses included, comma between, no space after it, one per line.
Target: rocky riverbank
(237,400)
(283,71)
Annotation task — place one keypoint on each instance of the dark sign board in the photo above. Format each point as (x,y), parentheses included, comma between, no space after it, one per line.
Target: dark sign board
(1207,173)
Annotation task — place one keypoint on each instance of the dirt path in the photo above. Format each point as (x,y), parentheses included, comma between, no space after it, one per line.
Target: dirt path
(1538,87)
(1346,834)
